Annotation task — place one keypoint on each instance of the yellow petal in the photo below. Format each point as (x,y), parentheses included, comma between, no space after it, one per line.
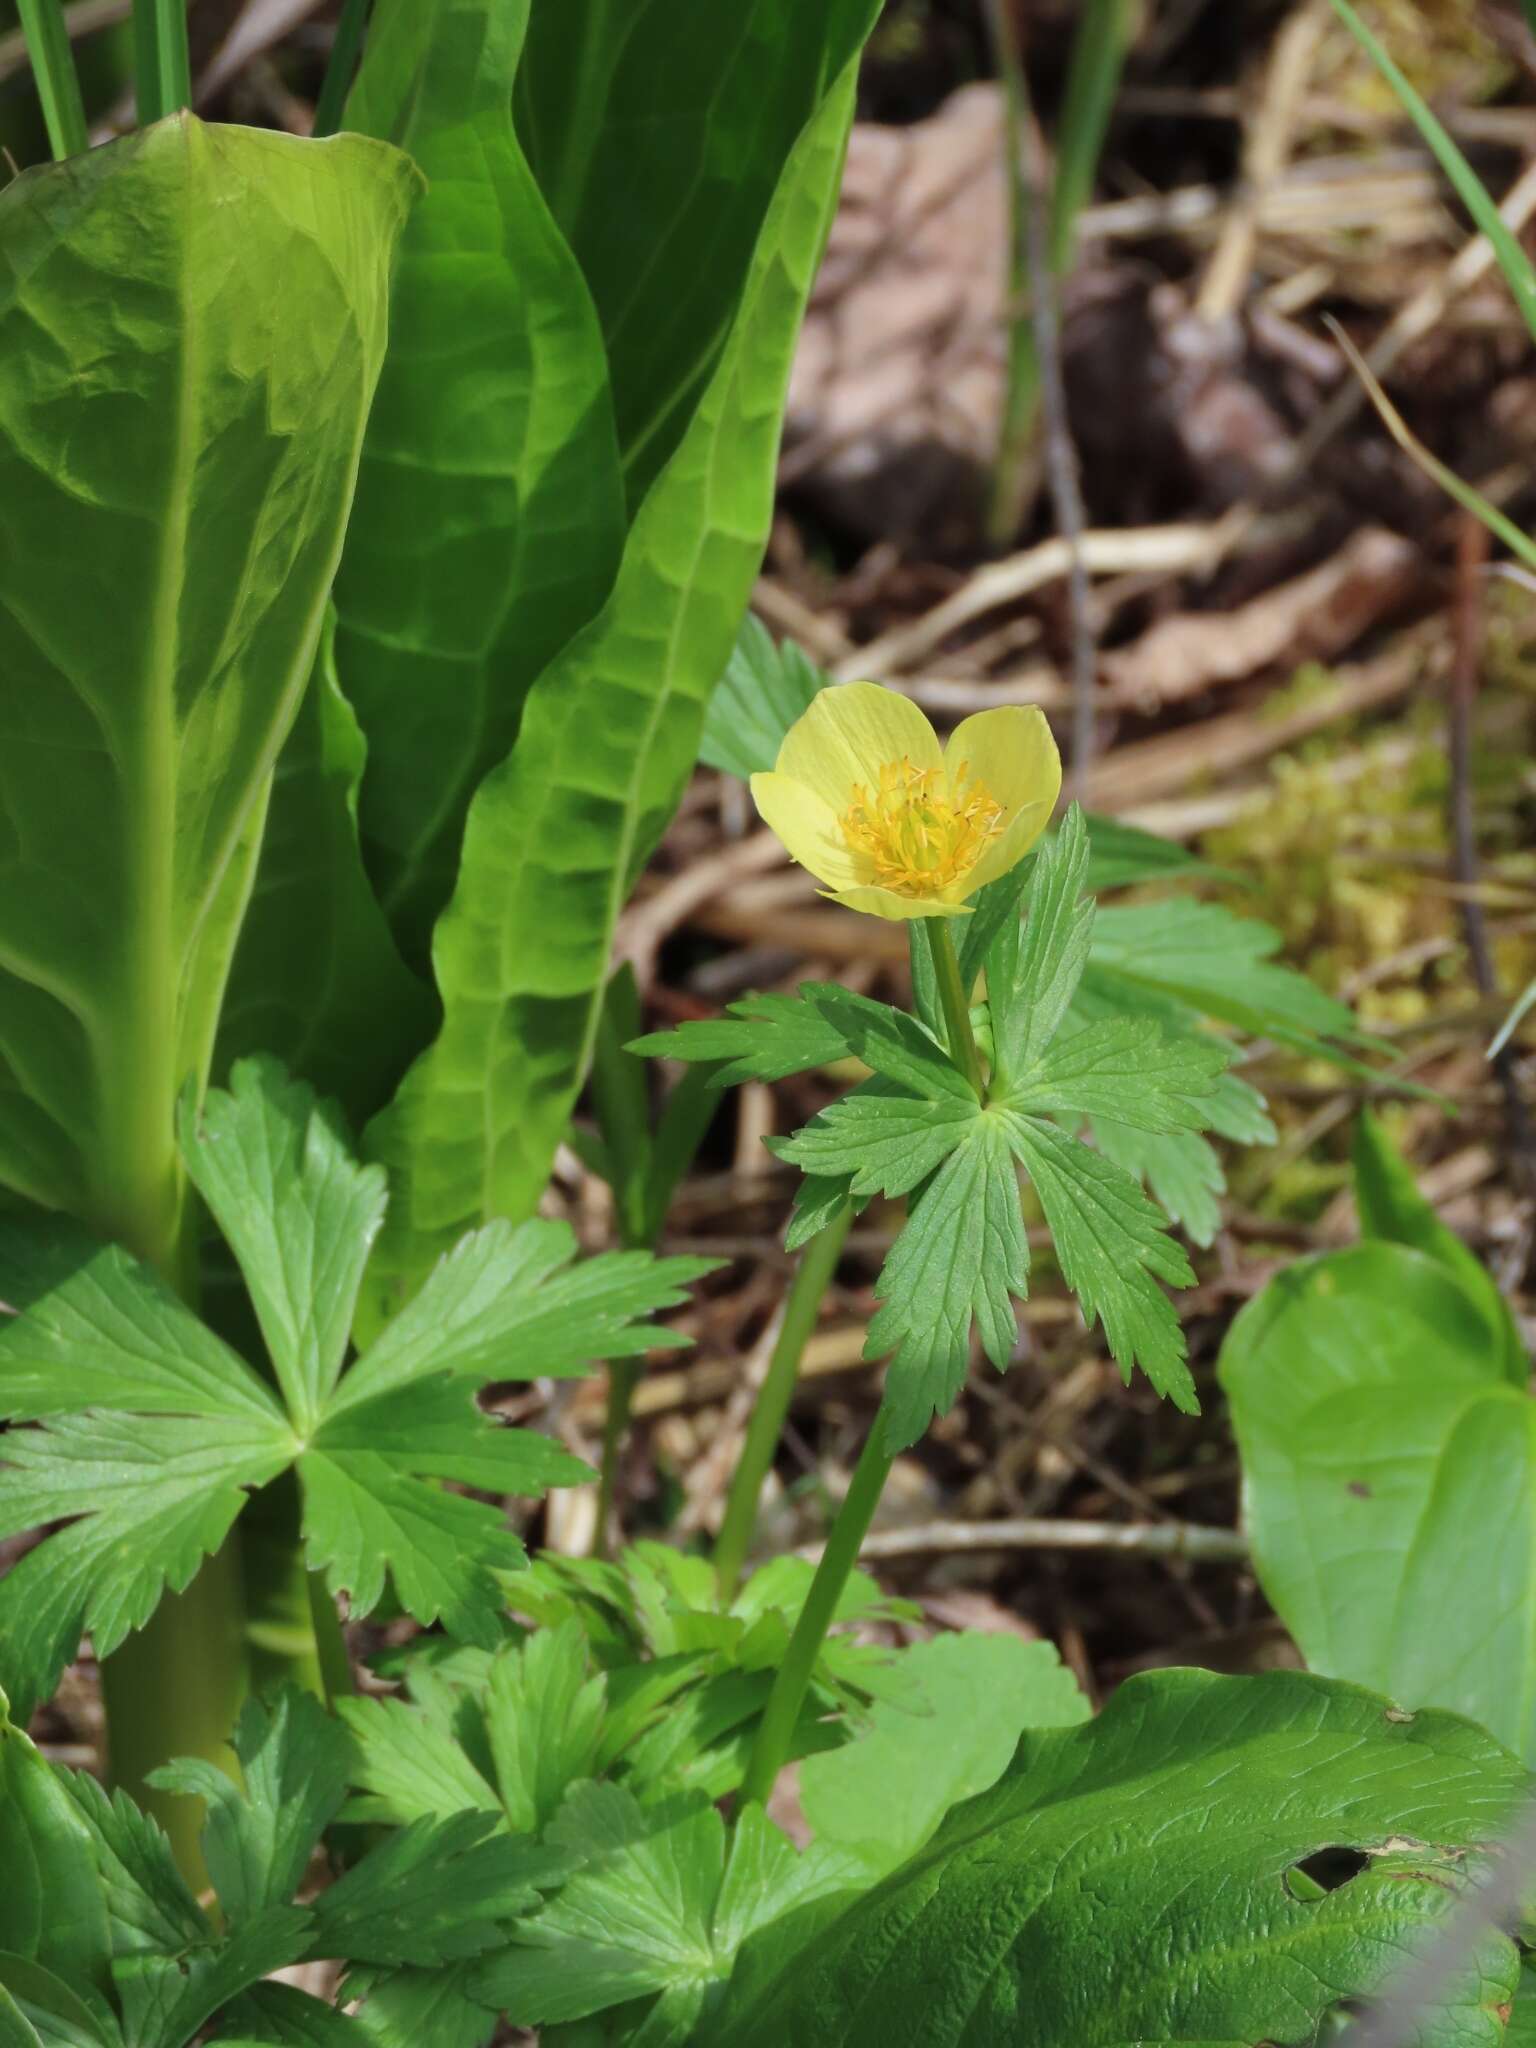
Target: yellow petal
(807,826)
(886,903)
(1011,750)
(849,733)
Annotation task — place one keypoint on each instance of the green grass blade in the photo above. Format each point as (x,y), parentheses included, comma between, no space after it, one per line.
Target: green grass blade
(53,71)
(337,83)
(1518,542)
(162,67)
(1513,261)
(1098,58)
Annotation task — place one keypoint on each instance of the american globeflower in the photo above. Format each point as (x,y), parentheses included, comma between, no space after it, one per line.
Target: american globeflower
(864,796)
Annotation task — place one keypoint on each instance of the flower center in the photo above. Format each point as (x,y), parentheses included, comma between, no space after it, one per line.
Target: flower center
(920,831)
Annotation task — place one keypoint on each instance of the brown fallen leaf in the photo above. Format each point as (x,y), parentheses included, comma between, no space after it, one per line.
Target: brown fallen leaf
(1315,617)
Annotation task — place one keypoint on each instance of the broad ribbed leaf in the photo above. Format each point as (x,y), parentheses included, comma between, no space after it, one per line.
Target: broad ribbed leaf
(1389,1468)
(489,514)
(317,980)
(191,324)
(658,130)
(609,734)
(1129,1884)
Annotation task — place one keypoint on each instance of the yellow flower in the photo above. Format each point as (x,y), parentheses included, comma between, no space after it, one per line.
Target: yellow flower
(863,795)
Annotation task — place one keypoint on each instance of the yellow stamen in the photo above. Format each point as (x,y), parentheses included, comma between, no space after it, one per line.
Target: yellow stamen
(921,831)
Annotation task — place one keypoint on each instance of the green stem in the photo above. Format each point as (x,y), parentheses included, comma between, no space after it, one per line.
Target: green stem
(1104,33)
(162,64)
(781,1716)
(54,74)
(956,1005)
(174,1689)
(623,1378)
(801,1307)
(291,1624)
(342,68)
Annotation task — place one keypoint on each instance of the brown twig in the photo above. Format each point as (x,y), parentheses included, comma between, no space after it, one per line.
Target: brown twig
(1026,1532)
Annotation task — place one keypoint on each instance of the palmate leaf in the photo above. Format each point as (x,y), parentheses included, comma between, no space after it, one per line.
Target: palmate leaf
(659,1906)
(258,1838)
(878,1141)
(431,1893)
(610,729)
(299,1214)
(1161,1840)
(152,1431)
(963,1253)
(761,1038)
(1113,1249)
(962,1256)
(490,507)
(169,526)
(764,689)
(1219,965)
(109,1950)
(1126,1069)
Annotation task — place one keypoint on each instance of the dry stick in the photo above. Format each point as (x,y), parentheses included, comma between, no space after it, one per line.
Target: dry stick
(1472,548)
(1028,1532)
(1267,145)
(1060,453)
(1416,319)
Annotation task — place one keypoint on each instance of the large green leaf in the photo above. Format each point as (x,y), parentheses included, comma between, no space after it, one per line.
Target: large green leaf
(609,734)
(317,979)
(191,326)
(949,1734)
(489,514)
(1134,1883)
(1390,1479)
(658,130)
(1392,1207)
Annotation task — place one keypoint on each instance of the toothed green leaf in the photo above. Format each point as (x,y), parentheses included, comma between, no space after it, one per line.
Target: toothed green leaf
(962,1255)
(1113,1250)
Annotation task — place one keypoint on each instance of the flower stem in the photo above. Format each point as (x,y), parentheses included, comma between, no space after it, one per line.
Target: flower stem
(776,1730)
(801,1307)
(957,1008)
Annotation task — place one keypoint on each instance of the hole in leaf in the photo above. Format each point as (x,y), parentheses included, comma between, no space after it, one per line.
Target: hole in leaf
(1324,1871)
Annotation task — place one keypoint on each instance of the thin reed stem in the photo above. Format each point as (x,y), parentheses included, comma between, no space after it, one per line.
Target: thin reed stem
(331,106)
(162,63)
(54,74)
